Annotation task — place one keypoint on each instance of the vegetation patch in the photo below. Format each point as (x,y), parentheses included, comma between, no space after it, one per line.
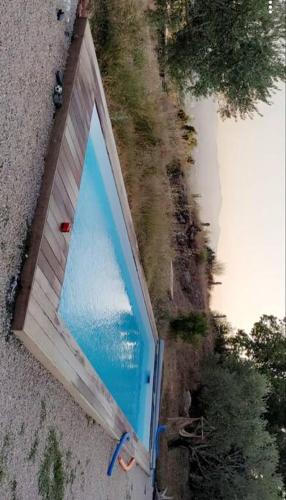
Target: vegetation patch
(232,454)
(51,477)
(212,47)
(190,327)
(119,29)
(265,347)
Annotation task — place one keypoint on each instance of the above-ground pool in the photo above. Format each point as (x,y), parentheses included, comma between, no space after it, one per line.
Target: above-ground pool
(102,303)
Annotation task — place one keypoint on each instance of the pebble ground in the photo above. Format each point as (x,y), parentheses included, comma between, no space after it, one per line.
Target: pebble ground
(40,424)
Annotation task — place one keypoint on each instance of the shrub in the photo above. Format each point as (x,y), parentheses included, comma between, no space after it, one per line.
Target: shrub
(190,326)
(234,50)
(266,347)
(236,458)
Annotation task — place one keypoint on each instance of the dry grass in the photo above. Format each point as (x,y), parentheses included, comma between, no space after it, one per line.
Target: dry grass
(144,120)
(151,131)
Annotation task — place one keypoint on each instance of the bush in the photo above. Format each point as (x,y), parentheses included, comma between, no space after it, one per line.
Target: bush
(234,50)
(266,347)
(190,326)
(237,457)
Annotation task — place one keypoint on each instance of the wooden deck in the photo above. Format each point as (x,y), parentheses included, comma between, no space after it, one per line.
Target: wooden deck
(36,321)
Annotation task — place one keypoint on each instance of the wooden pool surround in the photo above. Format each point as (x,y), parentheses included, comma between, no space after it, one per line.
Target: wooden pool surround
(36,321)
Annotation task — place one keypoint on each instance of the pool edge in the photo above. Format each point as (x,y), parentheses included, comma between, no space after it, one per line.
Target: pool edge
(35,319)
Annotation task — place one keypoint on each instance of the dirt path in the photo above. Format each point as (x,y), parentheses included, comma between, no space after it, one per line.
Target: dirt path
(41,428)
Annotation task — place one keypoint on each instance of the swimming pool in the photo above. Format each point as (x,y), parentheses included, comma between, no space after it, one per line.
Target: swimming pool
(102,303)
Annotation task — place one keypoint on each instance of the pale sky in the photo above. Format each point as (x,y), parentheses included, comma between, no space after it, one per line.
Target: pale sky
(251,156)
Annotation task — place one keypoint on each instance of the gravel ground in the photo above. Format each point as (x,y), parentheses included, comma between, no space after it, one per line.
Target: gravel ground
(41,428)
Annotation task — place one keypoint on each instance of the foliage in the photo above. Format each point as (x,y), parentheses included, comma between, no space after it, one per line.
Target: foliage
(237,458)
(189,326)
(233,397)
(202,256)
(51,475)
(266,346)
(223,330)
(227,48)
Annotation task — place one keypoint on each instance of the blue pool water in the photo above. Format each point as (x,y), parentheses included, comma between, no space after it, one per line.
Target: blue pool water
(102,303)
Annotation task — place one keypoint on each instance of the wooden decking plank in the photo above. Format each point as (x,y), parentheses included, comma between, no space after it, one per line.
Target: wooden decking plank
(49,272)
(53,260)
(78,108)
(70,161)
(84,97)
(88,46)
(88,102)
(58,209)
(63,196)
(73,129)
(41,280)
(85,77)
(72,147)
(66,190)
(77,118)
(67,176)
(86,67)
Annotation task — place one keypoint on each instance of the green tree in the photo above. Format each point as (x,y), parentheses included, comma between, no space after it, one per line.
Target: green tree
(237,458)
(233,49)
(266,346)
